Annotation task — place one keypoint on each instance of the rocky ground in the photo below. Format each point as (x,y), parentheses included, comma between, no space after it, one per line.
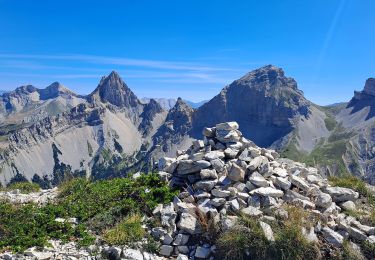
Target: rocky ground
(223,178)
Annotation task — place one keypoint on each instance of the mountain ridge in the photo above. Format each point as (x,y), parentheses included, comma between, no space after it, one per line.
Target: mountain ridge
(114,127)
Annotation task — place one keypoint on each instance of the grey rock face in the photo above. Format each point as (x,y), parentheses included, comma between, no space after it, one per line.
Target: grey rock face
(236,173)
(112,89)
(267,231)
(323,200)
(263,120)
(258,180)
(268,191)
(189,224)
(332,237)
(339,194)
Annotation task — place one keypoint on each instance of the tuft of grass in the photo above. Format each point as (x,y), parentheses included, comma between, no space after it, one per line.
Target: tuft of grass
(348,252)
(243,241)
(24,187)
(290,243)
(128,231)
(352,182)
(368,249)
(372,216)
(246,240)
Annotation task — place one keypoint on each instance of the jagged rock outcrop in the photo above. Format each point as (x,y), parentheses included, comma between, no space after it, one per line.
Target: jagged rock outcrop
(165,103)
(174,133)
(151,109)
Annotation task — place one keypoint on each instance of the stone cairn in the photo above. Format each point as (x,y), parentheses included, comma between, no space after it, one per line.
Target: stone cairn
(225,174)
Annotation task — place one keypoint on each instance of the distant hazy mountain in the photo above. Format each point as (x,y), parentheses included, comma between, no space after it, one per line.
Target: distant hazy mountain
(165,103)
(196,104)
(168,103)
(28,104)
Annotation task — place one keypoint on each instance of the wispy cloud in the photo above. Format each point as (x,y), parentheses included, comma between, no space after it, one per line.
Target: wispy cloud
(154,64)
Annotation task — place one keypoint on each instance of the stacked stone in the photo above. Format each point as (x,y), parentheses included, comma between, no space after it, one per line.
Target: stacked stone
(225,174)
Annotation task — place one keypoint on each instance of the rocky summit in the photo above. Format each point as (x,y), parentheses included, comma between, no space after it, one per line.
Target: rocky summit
(224,179)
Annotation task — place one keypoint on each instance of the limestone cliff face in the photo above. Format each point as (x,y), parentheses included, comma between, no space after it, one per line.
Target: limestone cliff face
(264,102)
(358,118)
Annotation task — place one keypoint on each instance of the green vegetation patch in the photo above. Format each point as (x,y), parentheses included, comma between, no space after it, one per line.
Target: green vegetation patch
(118,197)
(29,225)
(330,123)
(107,206)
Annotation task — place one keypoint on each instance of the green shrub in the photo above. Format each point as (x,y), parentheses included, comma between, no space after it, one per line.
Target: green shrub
(100,204)
(128,231)
(24,187)
(114,198)
(290,243)
(29,225)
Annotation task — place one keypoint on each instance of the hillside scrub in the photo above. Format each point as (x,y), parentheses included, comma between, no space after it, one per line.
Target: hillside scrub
(109,207)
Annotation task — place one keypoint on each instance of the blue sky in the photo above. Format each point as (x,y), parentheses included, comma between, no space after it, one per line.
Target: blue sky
(189,48)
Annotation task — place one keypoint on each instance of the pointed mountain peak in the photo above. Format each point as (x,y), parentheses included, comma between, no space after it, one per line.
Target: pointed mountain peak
(113,89)
(114,74)
(181,104)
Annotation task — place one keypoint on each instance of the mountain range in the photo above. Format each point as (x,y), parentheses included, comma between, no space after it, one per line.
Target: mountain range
(47,135)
